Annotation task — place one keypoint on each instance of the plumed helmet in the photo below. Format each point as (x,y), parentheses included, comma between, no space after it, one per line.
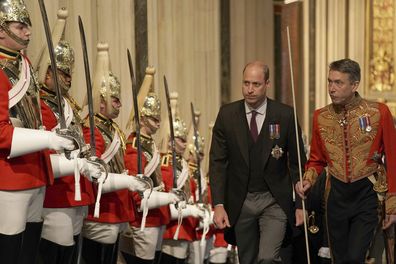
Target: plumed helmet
(64,54)
(13,11)
(148,103)
(105,85)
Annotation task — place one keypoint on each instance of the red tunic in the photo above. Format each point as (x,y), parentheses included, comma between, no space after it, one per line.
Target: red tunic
(115,207)
(155,217)
(61,193)
(25,172)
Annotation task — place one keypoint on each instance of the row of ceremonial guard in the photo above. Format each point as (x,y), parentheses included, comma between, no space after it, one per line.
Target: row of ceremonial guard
(62,204)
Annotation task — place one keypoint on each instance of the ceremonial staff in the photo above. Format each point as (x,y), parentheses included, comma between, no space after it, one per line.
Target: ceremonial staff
(298,144)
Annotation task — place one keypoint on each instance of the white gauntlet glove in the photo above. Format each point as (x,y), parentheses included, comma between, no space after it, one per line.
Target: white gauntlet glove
(25,141)
(158,199)
(115,182)
(190,210)
(61,166)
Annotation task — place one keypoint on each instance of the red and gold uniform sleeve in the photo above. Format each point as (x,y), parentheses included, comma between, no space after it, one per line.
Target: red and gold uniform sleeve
(317,158)
(387,139)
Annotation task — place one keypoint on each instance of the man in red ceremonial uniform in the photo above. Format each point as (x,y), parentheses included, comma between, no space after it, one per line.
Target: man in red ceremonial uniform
(66,201)
(350,136)
(178,237)
(114,209)
(145,238)
(24,164)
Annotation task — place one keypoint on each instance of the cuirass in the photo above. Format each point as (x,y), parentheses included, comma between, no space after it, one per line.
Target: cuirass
(108,130)
(26,113)
(147,150)
(76,124)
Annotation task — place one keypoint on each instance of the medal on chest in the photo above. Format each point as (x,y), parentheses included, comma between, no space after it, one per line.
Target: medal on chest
(364,123)
(274,131)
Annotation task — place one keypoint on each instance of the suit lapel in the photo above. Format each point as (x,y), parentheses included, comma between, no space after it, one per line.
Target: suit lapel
(242,131)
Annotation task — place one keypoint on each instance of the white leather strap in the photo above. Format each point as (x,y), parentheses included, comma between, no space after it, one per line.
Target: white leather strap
(181,180)
(112,149)
(19,89)
(67,113)
(153,163)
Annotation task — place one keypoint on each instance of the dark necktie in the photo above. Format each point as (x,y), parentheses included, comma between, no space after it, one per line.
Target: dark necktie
(253,126)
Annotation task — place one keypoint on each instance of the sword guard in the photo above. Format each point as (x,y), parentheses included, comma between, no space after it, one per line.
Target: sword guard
(182,196)
(101,164)
(71,135)
(147,181)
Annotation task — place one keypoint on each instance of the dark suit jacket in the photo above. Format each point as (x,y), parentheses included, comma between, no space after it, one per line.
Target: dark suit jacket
(229,157)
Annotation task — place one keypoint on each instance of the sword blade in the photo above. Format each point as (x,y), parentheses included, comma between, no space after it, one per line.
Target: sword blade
(89,87)
(196,143)
(172,133)
(50,45)
(136,113)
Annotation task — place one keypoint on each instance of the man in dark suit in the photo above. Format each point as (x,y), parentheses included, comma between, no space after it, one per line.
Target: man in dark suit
(253,161)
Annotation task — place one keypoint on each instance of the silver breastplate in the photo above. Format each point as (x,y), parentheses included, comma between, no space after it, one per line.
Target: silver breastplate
(116,164)
(26,113)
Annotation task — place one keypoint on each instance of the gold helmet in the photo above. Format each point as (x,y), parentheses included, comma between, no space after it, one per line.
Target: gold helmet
(151,106)
(201,145)
(105,85)
(148,103)
(64,56)
(14,11)
(179,128)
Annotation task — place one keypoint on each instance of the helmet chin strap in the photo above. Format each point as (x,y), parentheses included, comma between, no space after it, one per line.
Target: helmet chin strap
(20,41)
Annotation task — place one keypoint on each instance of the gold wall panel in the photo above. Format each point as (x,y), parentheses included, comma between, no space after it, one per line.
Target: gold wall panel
(380,55)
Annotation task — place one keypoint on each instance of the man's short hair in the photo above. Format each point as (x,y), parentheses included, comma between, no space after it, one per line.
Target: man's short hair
(348,66)
(261,64)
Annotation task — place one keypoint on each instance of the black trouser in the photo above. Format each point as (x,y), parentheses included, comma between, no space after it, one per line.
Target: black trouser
(351,219)
(53,253)
(10,247)
(30,243)
(97,253)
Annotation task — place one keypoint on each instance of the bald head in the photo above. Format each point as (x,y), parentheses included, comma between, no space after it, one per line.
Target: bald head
(258,64)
